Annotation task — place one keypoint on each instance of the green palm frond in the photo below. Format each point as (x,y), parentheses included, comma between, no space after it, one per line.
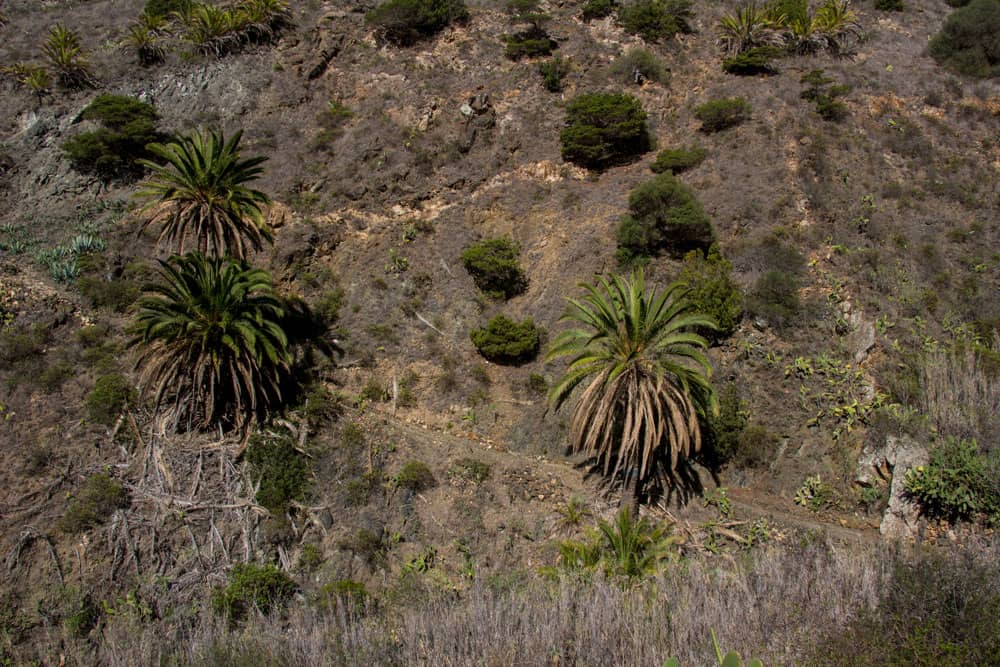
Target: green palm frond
(199,193)
(642,374)
(212,348)
(750,27)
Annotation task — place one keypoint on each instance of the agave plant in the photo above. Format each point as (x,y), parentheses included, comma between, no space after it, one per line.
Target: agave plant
(67,58)
(199,193)
(212,30)
(838,26)
(750,27)
(262,20)
(212,348)
(33,77)
(145,40)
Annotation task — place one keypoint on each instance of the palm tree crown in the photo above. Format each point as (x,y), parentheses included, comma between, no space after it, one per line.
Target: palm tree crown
(646,374)
(200,192)
(211,340)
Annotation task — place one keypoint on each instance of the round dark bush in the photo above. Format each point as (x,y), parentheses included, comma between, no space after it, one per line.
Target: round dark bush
(969,42)
(718,115)
(493,265)
(664,215)
(405,22)
(603,129)
(111,152)
(505,341)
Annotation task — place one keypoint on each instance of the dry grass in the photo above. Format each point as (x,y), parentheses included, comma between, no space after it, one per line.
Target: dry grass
(769,606)
(962,399)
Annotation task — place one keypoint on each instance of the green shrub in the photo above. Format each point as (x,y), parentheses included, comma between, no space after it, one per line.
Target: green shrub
(824,95)
(754,61)
(664,215)
(656,20)
(637,65)
(968,40)
(721,433)
(958,483)
(280,470)
(678,160)
(718,115)
(111,394)
(415,476)
(251,586)
(775,298)
(470,469)
(93,504)
(352,595)
(494,267)
(597,9)
(712,289)
(604,129)
(889,5)
(115,295)
(553,72)
(163,8)
(506,341)
(407,21)
(528,45)
(936,608)
(111,151)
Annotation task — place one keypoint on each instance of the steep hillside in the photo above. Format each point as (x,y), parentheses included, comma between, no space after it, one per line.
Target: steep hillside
(866,249)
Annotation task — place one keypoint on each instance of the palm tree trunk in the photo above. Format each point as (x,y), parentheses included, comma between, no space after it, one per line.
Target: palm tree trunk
(630,493)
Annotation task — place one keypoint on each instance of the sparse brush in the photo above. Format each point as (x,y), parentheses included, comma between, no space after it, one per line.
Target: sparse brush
(573,512)
(33,77)
(3,20)
(67,58)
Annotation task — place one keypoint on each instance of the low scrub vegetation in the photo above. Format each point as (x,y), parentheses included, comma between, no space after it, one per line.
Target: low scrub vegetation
(678,160)
(405,22)
(718,115)
(968,41)
(959,482)
(93,503)
(638,65)
(253,587)
(113,151)
(711,289)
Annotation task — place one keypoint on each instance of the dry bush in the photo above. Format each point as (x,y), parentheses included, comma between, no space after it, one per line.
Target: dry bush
(770,606)
(961,397)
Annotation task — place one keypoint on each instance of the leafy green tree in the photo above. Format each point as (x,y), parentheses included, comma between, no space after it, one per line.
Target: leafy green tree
(211,343)
(645,379)
(199,193)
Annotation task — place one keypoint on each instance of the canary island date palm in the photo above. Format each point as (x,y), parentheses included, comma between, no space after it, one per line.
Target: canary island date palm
(212,348)
(200,194)
(643,376)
